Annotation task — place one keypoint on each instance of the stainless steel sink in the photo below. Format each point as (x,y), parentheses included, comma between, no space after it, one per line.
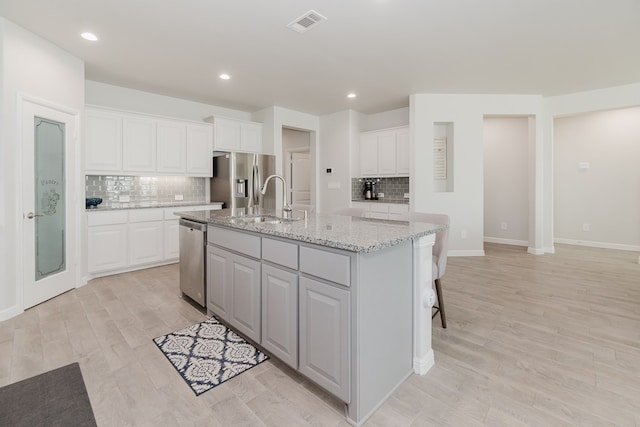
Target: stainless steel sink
(260,219)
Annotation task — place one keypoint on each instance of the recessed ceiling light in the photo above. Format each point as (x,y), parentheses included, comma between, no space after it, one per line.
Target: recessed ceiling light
(351,95)
(225,76)
(89,36)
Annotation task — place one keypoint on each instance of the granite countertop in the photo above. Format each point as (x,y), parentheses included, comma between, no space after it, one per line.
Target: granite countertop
(384,200)
(354,234)
(144,205)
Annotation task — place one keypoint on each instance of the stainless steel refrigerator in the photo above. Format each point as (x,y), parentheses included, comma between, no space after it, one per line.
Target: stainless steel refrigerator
(238,178)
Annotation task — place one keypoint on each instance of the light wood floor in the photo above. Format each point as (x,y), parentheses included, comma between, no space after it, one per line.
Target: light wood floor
(532,340)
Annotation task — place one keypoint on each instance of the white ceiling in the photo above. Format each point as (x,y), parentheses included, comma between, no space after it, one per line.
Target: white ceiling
(384,50)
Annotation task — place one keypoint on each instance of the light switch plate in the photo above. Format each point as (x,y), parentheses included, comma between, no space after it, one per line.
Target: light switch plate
(406,195)
(381,195)
(178,197)
(334,185)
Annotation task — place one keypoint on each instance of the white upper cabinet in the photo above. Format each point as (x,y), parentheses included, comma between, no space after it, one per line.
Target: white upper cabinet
(134,144)
(199,150)
(104,141)
(237,135)
(171,147)
(385,152)
(139,144)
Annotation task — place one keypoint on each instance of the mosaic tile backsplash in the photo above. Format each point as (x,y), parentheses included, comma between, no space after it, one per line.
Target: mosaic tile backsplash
(393,188)
(140,189)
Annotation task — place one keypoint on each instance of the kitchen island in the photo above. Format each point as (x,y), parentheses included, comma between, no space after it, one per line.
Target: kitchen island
(343,300)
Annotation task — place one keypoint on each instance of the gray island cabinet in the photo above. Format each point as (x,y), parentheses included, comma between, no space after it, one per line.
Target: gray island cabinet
(337,298)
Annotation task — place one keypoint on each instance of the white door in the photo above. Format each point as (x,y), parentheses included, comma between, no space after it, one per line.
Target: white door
(48,202)
(300,181)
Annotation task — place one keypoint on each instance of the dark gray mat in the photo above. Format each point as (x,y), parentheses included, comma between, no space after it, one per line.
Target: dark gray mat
(55,398)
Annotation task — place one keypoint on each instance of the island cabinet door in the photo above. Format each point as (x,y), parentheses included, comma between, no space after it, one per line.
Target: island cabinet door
(245,310)
(280,314)
(217,281)
(324,336)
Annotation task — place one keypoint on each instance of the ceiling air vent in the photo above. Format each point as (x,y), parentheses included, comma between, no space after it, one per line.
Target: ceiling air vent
(306,21)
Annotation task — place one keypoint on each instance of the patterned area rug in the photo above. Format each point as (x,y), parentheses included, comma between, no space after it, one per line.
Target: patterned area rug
(208,354)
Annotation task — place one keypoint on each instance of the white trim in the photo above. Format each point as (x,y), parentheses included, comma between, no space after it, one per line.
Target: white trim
(535,251)
(10,312)
(550,250)
(506,241)
(466,253)
(603,245)
(423,364)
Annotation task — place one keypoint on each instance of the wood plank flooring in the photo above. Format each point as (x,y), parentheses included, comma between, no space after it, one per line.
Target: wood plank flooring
(550,340)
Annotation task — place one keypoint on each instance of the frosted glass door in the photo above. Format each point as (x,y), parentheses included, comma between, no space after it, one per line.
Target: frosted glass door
(50,200)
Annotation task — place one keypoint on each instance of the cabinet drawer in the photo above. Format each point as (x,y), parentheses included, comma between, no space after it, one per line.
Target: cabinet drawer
(107,218)
(398,209)
(143,215)
(279,252)
(326,265)
(239,242)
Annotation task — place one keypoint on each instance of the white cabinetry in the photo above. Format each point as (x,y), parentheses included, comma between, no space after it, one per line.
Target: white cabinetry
(138,144)
(171,147)
(385,152)
(324,336)
(107,241)
(103,136)
(382,210)
(234,279)
(199,150)
(146,236)
(237,135)
(125,240)
(119,142)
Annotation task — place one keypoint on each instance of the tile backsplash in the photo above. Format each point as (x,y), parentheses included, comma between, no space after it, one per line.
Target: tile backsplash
(140,189)
(393,188)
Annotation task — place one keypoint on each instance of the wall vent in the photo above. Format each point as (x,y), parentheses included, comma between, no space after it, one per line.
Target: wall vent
(306,21)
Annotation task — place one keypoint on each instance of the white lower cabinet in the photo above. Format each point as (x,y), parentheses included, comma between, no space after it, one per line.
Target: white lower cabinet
(324,336)
(280,314)
(146,242)
(172,239)
(233,289)
(107,247)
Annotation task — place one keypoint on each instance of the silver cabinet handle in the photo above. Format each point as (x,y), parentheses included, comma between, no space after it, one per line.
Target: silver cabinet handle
(32,215)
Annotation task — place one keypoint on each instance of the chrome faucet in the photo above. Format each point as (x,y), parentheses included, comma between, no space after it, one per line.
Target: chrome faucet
(286,208)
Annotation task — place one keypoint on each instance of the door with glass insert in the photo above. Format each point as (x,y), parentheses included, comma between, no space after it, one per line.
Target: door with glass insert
(48,215)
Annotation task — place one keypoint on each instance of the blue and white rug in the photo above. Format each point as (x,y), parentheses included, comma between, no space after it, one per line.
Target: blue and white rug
(208,354)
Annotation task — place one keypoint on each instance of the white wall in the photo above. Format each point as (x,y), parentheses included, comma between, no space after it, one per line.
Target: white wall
(605,195)
(294,139)
(34,67)
(335,153)
(386,119)
(465,204)
(123,98)
(567,105)
(506,180)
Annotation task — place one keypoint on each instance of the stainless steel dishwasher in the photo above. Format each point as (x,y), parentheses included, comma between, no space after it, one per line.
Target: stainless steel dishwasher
(193,241)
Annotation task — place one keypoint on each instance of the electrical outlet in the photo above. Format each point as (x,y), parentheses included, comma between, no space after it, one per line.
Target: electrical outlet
(380,195)
(178,197)
(585,227)
(406,195)
(503,225)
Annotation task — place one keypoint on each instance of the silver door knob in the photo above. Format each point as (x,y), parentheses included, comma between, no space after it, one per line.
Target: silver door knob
(32,215)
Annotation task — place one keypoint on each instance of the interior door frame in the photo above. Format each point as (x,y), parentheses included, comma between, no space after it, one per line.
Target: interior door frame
(74,168)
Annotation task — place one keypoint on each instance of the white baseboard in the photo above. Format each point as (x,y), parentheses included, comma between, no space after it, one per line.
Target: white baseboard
(10,312)
(550,250)
(506,241)
(603,245)
(535,251)
(466,253)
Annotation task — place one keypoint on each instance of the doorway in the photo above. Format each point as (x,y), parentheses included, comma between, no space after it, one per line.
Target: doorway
(48,201)
(297,166)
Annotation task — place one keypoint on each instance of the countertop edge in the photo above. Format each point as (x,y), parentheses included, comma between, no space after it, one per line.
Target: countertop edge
(157,206)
